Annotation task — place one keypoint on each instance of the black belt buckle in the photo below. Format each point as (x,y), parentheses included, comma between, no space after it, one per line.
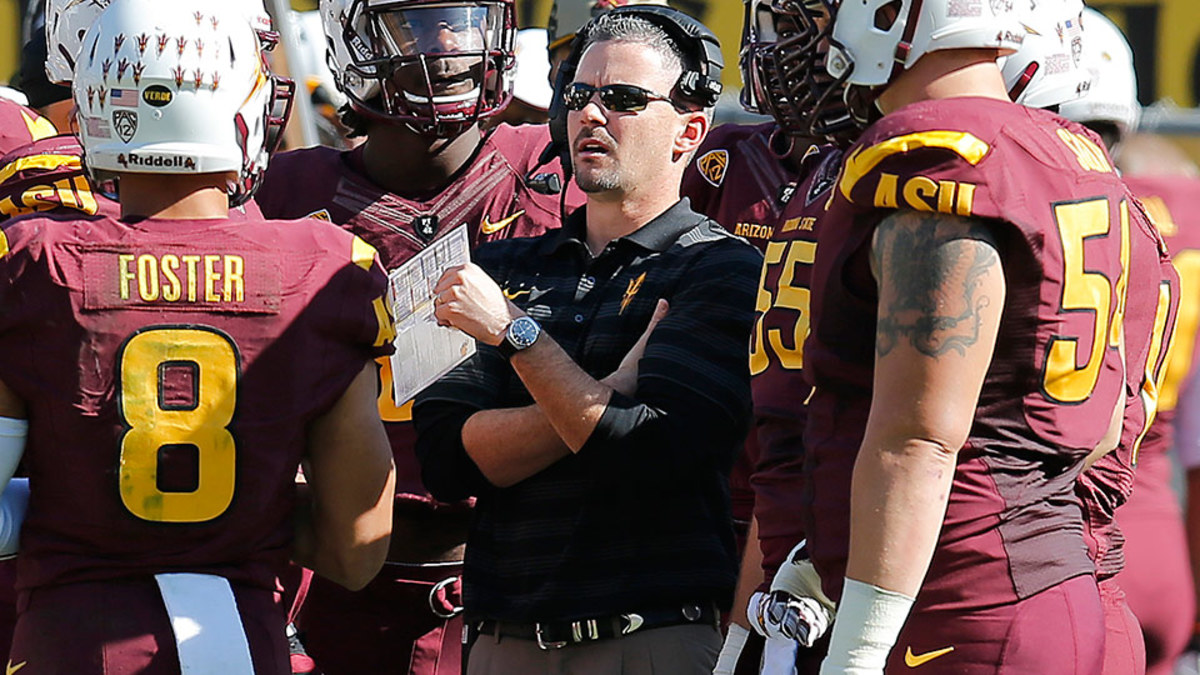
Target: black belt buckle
(544,644)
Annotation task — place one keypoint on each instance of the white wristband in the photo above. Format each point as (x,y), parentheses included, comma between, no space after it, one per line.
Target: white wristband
(868,622)
(731,650)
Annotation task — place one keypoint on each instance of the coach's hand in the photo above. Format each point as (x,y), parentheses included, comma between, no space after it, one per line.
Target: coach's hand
(624,378)
(468,299)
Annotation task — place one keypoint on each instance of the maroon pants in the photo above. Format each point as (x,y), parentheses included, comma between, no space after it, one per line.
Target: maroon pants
(1124,650)
(389,626)
(122,628)
(1060,631)
(1157,579)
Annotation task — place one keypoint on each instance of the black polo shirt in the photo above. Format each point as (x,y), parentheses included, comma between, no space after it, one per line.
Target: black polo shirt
(639,519)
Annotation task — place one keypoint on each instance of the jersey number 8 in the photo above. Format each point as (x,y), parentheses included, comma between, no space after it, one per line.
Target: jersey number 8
(178,390)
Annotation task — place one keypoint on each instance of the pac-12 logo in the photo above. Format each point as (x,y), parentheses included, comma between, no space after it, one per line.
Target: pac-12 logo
(126,124)
(712,165)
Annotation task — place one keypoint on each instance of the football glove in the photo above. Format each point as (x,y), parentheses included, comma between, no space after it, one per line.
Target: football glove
(795,609)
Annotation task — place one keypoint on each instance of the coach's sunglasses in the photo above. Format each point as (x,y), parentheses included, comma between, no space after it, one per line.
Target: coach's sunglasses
(614,97)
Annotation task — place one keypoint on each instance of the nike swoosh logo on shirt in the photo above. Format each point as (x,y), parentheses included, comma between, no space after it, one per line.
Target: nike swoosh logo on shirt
(488,227)
(913,660)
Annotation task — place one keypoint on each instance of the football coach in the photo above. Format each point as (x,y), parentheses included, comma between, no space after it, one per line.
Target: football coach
(596,431)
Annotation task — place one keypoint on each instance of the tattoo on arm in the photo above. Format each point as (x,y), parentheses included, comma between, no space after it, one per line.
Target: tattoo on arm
(929,267)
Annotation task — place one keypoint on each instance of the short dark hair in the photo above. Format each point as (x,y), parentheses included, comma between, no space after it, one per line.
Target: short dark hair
(635,29)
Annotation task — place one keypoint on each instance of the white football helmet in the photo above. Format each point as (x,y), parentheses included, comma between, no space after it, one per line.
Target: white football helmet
(436,65)
(175,88)
(1112,96)
(68,20)
(1048,69)
(873,41)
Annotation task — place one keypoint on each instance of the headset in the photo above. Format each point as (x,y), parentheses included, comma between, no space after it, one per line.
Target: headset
(701,86)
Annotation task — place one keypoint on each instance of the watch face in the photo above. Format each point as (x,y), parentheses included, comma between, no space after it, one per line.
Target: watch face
(523,332)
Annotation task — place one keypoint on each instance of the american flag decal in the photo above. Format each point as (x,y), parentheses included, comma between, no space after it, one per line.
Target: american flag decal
(125,98)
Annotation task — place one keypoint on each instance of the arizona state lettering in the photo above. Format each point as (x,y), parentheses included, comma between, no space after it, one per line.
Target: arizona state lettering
(803,223)
(182,278)
(753,231)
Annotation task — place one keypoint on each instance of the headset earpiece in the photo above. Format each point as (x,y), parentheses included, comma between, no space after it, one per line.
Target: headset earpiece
(701,86)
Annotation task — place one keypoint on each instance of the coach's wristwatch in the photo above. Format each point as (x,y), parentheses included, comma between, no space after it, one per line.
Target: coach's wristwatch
(521,334)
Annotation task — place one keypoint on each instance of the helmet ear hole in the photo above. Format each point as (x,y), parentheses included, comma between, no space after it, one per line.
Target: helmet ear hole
(885,16)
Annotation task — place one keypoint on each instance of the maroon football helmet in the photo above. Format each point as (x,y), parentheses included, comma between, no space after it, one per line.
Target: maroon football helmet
(784,43)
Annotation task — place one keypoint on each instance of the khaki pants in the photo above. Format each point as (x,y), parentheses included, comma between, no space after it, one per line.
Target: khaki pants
(674,650)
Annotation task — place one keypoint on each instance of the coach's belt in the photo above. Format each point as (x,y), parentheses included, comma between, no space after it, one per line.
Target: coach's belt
(559,634)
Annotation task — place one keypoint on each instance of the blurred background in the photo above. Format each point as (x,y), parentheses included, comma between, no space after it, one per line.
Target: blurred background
(1164,34)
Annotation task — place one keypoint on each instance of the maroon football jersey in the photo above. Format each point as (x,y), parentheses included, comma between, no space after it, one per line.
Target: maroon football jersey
(1170,201)
(1063,222)
(171,369)
(20,125)
(490,196)
(737,178)
(1109,483)
(1152,299)
(776,358)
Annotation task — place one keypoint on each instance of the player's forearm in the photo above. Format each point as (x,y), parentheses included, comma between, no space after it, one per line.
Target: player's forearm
(898,500)
(750,576)
(349,552)
(509,445)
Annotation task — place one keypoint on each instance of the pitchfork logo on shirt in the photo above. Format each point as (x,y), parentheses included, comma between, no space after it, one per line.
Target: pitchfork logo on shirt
(631,290)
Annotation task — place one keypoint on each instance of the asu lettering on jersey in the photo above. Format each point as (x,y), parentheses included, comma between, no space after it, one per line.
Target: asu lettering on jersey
(916,192)
(46,176)
(71,191)
(117,278)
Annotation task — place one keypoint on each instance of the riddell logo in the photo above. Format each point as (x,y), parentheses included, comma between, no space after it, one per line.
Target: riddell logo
(1009,36)
(158,161)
